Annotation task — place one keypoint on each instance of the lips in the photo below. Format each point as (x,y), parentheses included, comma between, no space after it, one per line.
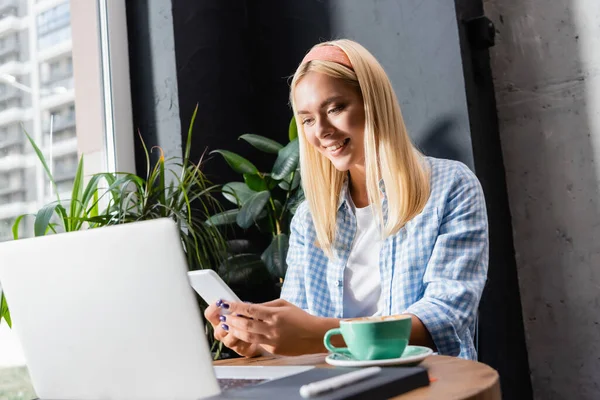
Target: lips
(336,146)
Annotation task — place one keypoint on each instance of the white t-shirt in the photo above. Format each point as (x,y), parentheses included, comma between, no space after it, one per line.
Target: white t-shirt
(362,281)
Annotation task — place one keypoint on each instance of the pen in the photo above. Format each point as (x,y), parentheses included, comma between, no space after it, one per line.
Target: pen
(315,388)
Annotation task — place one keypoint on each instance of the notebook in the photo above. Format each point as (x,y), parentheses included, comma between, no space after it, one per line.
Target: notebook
(390,382)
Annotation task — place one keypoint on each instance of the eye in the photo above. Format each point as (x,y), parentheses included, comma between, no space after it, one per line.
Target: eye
(308,121)
(336,109)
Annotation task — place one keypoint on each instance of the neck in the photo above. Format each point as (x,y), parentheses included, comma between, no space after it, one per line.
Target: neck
(358,186)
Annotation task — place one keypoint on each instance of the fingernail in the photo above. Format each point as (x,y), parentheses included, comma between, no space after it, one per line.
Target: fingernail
(219,303)
(225,305)
(225,327)
(222,318)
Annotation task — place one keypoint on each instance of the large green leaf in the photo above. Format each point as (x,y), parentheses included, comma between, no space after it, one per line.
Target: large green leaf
(237,193)
(275,255)
(252,208)
(271,183)
(90,192)
(295,201)
(42,218)
(238,163)
(188,142)
(243,269)
(4,312)
(15,227)
(293,130)
(294,178)
(237,246)
(287,160)
(255,182)
(262,143)
(42,159)
(223,218)
(76,197)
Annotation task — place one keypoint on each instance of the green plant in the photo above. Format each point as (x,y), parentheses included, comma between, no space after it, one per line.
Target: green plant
(187,199)
(266,200)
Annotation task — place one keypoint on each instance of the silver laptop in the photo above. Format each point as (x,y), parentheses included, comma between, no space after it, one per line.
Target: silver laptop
(109,313)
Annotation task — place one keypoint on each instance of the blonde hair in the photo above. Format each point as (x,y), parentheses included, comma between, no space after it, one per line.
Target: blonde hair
(389,153)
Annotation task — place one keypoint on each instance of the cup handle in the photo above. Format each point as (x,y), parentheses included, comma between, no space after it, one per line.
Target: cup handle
(332,348)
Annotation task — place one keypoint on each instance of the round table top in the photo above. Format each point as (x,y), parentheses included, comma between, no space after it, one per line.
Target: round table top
(450,377)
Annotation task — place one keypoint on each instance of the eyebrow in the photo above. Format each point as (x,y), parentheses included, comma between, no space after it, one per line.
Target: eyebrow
(326,102)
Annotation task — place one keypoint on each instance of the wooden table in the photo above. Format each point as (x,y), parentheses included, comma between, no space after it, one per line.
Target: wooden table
(452,378)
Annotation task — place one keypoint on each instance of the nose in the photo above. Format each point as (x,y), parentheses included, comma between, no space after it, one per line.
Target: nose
(323,128)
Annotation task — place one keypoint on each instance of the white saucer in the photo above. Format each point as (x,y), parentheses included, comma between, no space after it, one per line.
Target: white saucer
(412,355)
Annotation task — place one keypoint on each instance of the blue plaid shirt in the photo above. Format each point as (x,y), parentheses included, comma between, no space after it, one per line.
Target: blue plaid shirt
(434,267)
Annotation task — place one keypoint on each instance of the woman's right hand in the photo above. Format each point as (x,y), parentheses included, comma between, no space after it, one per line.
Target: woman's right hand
(213,314)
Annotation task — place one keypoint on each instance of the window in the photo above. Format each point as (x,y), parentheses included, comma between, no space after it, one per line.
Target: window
(54,38)
(9,57)
(66,165)
(13,150)
(56,76)
(14,197)
(54,68)
(20,170)
(54,19)
(10,103)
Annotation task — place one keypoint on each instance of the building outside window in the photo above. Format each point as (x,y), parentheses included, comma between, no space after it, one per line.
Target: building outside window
(28,101)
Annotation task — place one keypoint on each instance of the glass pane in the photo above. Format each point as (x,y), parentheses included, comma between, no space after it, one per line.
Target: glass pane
(36,96)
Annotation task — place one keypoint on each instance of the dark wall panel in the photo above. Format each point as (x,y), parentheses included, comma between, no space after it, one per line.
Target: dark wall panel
(233,59)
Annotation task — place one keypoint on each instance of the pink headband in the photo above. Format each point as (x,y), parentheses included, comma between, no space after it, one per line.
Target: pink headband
(328,53)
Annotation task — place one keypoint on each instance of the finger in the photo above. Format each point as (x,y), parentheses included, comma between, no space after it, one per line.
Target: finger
(256,311)
(239,346)
(230,341)
(220,333)
(212,314)
(234,343)
(248,337)
(248,325)
(276,303)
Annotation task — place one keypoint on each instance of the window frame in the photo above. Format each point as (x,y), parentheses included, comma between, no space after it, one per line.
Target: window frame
(103,110)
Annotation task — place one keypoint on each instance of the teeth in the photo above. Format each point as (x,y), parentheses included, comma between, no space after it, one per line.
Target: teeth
(336,146)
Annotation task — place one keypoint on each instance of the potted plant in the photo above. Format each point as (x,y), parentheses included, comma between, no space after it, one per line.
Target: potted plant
(264,200)
(127,197)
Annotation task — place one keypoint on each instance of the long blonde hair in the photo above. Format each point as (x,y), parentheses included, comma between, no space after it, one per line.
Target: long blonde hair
(389,153)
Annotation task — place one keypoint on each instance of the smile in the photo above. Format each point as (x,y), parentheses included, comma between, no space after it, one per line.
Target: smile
(339,145)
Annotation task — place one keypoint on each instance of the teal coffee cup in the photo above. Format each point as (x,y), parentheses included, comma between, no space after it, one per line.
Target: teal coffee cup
(371,338)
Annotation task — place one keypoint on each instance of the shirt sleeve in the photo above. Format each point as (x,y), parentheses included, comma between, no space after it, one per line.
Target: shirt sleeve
(293,289)
(457,270)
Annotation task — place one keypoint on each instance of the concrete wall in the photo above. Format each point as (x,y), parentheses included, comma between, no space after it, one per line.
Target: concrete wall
(546,68)
(162,47)
(154,78)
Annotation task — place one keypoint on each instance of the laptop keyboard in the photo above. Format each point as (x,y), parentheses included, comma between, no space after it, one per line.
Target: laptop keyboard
(227,384)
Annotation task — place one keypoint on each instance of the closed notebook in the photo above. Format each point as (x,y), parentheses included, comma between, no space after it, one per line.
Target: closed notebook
(388,383)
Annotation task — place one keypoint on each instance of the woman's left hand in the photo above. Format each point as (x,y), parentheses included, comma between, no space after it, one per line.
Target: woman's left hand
(278,326)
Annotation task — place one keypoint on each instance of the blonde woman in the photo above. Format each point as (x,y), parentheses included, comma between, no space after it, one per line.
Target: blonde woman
(384,230)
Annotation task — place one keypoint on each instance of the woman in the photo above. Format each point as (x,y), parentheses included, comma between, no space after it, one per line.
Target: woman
(384,230)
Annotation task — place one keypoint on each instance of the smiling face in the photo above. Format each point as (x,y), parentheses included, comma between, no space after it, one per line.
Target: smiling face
(333,117)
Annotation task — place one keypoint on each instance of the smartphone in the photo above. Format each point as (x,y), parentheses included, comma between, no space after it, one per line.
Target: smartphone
(211,287)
